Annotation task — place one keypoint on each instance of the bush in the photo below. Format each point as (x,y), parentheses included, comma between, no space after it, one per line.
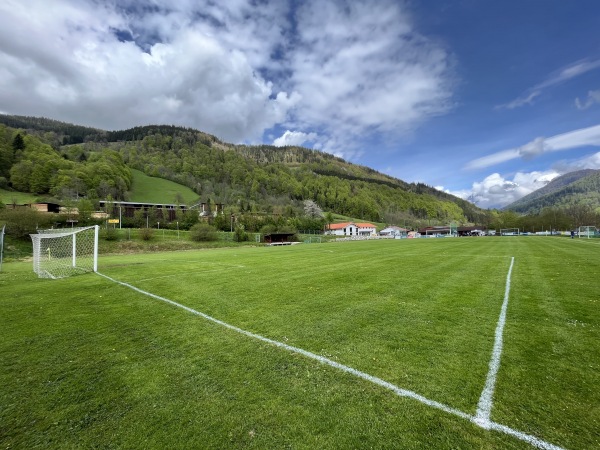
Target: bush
(203,232)
(110,234)
(146,234)
(20,223)
(240,235)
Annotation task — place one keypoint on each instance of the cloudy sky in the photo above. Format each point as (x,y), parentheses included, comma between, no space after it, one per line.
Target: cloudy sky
(485,99)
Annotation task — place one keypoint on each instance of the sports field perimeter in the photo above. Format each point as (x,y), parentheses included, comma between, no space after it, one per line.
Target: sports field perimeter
(432,343)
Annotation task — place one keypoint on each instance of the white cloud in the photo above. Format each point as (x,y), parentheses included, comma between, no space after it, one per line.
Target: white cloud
(587,162)
(569,72)
(496,191)
(558,77)
(234,69)
(592,98)
(294,138)
(573,139)
(70,65)
(533,148)
(520,101)
(366,71)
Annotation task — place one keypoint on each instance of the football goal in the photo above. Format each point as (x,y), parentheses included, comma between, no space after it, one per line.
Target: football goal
(64,252)
(509,232)
(587,232)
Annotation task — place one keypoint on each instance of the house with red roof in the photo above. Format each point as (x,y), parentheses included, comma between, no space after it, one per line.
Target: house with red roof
(351,229)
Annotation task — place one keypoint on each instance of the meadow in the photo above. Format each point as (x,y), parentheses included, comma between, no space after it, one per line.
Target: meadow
(158,190)
(9,197)
(373,344)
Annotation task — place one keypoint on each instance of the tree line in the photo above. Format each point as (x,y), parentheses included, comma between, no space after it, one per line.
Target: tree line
(254,182)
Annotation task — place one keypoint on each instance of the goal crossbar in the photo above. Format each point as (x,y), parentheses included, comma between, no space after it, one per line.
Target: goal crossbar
(60,253)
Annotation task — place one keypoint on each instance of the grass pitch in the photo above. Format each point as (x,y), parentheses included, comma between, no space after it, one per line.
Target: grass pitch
(90,363)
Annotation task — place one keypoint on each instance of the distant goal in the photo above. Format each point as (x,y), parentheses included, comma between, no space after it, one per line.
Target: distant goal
(65,252)
(588,232)
(509,232)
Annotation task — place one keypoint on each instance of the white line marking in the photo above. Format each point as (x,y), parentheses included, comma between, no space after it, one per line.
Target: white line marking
(365,376)
(484,407)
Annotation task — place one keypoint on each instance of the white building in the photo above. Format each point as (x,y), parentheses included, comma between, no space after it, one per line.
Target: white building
(394,231)
(352,229)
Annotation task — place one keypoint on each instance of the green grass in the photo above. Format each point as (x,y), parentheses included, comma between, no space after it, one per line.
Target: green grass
(89,363)
(21,198)
(158,190)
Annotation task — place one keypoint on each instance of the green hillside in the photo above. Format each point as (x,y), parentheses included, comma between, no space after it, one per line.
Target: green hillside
(20,198)
(64,161)
(158,190)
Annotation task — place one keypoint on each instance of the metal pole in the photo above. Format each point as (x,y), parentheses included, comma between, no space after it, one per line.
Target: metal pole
(1,246)
(74,256)
(96,232)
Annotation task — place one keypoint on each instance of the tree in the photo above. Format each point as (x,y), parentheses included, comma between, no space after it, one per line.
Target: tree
(312,210)
(20,175)
(18,144)
(328,218)
(22,222)
(85,209)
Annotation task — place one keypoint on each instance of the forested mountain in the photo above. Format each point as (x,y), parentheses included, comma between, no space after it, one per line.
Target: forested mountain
(68,161)
(581,188)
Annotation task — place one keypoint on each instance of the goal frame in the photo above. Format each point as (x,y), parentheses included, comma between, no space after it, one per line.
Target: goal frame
(510,232)
(2,245)
(586,231)
(71,255)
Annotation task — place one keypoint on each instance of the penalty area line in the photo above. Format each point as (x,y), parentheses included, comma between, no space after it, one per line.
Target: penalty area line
(484,407)
(365,376)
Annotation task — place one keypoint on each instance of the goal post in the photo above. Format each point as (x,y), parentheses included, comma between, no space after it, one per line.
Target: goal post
(587,231)
(509,232)
(62,253)
(2,245)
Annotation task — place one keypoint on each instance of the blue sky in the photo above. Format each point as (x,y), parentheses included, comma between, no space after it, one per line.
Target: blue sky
(488,100)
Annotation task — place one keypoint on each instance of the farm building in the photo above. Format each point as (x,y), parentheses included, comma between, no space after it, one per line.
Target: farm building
(127,209)
(41,207)
(351,229)
(447,231)
(279,238)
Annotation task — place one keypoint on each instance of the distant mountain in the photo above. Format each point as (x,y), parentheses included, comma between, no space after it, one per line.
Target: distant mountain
(581,187)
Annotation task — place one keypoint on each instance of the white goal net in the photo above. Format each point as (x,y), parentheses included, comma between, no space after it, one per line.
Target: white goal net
(64,252)
(587,232)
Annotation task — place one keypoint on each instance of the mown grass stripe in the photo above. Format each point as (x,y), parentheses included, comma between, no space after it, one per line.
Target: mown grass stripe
(375,380)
